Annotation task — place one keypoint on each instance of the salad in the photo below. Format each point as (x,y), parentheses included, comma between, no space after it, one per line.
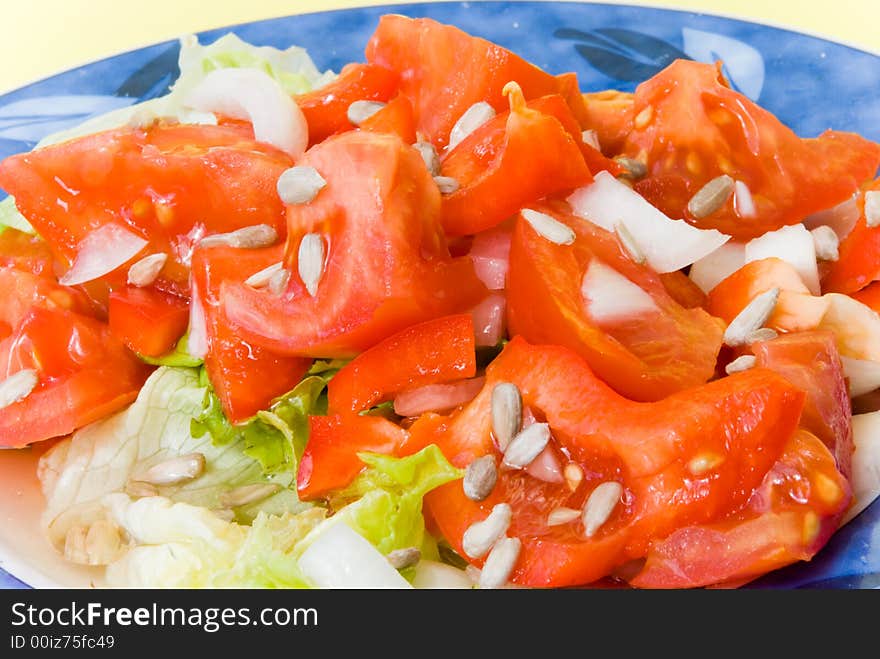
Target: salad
(442,319)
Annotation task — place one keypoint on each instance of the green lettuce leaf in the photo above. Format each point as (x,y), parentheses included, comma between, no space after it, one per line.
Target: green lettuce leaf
(11,217)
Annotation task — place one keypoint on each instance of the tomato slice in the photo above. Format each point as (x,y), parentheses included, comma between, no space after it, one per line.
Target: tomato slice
(432,352)
(443,71)
(789,518)
(326,108)
(168,183)
(386,267)
(688,123)
(858,263)
(85,373)
(690,459)
(330,460)
(396,117)
(148,321)
(21,291)
(516,158)
(811,362)
(25,252)
(869,296)
(644,357)
(245,377)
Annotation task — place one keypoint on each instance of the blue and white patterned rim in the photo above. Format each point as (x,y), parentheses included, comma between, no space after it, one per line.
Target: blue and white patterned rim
(810,83)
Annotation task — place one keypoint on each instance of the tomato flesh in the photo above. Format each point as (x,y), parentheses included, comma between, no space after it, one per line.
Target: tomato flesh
(858,263)
(148,321)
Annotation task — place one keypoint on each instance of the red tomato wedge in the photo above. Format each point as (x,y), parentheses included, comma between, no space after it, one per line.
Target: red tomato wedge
(148,321)
(21,291)
(646,357)
(396,117)
(858,263)
(432,352)
(169,184)
(688,123)
(443,71)
(246,377)
(386,264)
(869,296)
(693,458)
(84,373)
(789,518)
(326,108)
(610,114)
(25,252)
(810,361)
(514,159)
(330,459)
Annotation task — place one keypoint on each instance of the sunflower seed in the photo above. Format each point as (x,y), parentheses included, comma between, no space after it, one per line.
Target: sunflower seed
(562,515)
(506,413)
(278,281)
(500,563)
(241,496)
(600,505)
(711,196)
(872,208)
(527,446)
(629,243)
(742,200)
(826,243)
(474,117)
(480,536)
(429,155)
(633,169)
(404,558)
(225,514)
(762,334)
(446,184)
(751,318)
(700,464)
(573,475)
(300,184)
(310,261)
(547,227)
(103,542)
(740,364)
(139,489)
(480,478)
(253,237)
(262,278)
(144,272)
(591,137)
(359,111)
(17,386)
(176,470)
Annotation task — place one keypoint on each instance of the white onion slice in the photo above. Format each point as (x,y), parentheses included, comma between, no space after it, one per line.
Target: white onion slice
(856,326)
(432,574)
(714,268)
(667,244)
(197,340)
(793,244)
(491,255)
(253,95)
(610,297)
(863,375)
(546,467)
(102,251)
(490,320)
(341,558)
(437,397)
(842,218)
(866,462)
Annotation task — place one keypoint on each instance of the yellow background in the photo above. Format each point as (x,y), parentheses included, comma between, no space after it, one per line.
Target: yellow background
(42,37)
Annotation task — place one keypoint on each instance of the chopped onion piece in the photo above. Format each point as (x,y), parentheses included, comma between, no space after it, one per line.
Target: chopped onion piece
(102,251)
(341,558)
(842,218)
(432,574)
(793,244)
(490,253)
(667,244)
(714,268)
(863,375)
(253,95)
(610,297)
(437,397)
(546,467)
(866,462)
(490,320)
(197,341)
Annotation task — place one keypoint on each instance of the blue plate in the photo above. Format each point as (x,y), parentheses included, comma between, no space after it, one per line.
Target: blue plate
(809,83)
